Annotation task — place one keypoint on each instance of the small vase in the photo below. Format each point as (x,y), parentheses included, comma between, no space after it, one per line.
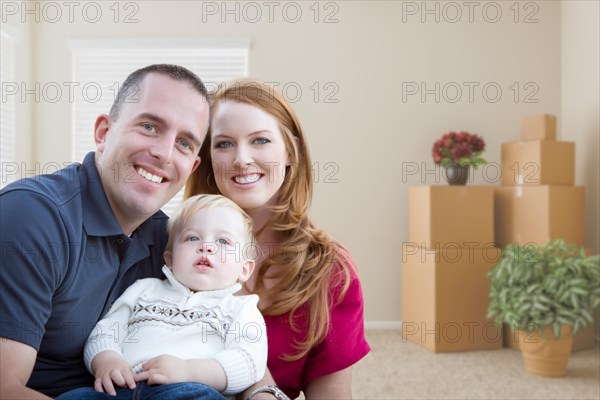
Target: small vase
(457,174)
(543,354)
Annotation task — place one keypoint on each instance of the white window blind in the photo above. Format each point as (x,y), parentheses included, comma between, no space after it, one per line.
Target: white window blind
(100,67)
(7,112)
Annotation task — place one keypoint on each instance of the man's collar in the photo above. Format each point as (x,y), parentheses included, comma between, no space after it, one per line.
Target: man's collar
(98,217)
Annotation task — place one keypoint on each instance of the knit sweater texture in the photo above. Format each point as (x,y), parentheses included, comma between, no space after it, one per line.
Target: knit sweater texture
(155,317)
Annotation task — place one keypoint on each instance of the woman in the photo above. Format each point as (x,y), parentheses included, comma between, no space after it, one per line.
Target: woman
(310,295)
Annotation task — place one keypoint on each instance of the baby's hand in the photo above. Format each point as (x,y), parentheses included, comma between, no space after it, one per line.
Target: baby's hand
(163,369)
(109,367)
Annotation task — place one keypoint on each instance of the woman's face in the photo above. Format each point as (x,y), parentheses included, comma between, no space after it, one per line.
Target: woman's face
(248,153)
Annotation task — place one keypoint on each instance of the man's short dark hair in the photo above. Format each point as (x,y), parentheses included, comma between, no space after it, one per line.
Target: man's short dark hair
(132,85)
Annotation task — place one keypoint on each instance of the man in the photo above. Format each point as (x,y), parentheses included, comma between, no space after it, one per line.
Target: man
(73,241)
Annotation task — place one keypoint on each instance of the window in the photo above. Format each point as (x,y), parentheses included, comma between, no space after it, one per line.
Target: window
(100,66)
(7,113)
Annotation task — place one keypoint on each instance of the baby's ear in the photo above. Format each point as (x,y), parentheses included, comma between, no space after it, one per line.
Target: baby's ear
(168,255)
(247,270)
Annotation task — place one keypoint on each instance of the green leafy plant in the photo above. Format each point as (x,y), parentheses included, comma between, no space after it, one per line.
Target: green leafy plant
(535,286)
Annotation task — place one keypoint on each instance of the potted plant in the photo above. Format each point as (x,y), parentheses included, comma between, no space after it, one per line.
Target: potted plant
(456,152)
(548,293)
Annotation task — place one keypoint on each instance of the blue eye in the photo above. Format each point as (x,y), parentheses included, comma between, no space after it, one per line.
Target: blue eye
(192,238)
(149,127)
(261,140)
(223,145)
(223,241)
(185,144)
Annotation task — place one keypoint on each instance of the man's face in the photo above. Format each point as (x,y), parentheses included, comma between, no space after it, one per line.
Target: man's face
(147,154)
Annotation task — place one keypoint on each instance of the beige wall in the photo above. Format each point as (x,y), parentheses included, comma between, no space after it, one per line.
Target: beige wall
(21,35)
(376,131)
(580,107)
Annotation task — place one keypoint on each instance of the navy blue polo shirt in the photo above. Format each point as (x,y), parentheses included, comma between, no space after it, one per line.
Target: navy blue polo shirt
(64,261)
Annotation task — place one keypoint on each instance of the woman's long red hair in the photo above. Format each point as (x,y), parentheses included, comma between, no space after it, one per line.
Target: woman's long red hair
(310,263)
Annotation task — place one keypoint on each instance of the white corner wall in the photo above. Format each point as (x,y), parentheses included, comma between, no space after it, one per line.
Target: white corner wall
(580,107)
(21,33)
(358,64)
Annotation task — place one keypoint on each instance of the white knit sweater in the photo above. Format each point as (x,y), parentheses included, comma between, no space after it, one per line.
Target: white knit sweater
(154,317)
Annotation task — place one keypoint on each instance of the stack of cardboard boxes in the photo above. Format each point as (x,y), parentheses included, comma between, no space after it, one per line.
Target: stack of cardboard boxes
(538,200)
(444,268)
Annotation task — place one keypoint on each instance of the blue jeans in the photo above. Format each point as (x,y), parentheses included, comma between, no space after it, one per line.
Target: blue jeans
(143,391)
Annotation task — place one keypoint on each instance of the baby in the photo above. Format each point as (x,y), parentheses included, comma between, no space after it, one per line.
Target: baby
(189,333)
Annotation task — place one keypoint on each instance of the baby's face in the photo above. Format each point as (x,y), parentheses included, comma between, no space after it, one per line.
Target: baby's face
(208,252)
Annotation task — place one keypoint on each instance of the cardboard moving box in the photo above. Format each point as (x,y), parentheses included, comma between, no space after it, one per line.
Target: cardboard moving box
(445,295)
(538,127)
(537,214)
(538,162)
(451,215)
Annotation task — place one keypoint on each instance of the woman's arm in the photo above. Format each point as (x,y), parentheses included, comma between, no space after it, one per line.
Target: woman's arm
(329,370)
(266,380)
(333,386)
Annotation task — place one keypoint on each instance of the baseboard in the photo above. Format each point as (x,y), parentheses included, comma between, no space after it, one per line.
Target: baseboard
(383,325)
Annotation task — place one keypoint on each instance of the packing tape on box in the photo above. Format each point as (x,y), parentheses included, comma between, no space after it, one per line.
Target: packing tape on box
(520,179)
(519,191)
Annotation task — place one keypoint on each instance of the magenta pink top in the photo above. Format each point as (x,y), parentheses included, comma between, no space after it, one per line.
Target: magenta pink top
(344,345)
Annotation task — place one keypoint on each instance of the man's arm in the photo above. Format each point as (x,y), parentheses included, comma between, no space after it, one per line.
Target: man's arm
(31,224)
(16,363)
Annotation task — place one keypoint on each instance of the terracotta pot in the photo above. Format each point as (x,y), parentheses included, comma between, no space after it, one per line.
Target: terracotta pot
(457,174)
(543,354)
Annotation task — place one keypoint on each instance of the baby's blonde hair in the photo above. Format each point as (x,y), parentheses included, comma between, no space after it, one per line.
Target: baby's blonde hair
(208,202)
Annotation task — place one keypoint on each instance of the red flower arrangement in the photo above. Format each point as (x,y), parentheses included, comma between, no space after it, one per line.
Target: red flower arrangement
(462,148)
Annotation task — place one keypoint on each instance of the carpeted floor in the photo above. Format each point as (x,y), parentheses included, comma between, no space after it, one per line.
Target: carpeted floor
(402,370)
